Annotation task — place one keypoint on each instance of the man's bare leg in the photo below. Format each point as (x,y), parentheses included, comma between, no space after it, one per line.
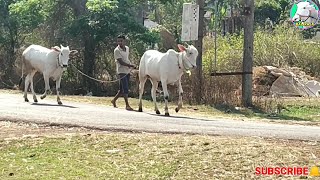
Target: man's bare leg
(115,99)
(127,102)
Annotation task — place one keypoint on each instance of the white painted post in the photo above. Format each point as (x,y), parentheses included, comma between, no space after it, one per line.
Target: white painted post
(190,22)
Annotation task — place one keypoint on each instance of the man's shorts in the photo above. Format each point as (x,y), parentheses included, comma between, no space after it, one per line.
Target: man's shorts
(124,83)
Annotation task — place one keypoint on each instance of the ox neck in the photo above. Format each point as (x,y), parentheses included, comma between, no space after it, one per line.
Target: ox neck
(58,62)
(181,62)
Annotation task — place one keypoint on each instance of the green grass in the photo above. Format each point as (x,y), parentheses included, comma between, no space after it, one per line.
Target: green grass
(311,113)
(146,156)
(301,109)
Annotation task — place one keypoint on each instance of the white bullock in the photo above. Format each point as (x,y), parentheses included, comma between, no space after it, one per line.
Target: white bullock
(165,67)
(50,62)
(306,13)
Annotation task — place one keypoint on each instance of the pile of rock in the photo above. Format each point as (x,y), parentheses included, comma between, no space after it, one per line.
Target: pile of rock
(289,82)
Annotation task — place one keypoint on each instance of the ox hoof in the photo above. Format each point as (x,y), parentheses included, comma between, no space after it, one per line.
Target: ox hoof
(59,102)
(167,114)
(35,100)
(140,109)
(157,111)
(177,110)
(42,97)
(26,100)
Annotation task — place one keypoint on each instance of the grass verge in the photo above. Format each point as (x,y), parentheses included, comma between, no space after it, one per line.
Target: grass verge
(85,154)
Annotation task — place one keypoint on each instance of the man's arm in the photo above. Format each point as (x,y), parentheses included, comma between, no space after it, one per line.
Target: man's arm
(118,57)
(124,63)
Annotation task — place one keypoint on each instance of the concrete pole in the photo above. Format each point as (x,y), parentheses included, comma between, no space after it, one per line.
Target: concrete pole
(248,53)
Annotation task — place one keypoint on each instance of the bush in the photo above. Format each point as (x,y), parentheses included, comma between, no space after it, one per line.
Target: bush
(284,46)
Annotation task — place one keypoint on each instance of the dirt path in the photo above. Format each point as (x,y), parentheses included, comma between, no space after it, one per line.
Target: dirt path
(13,108)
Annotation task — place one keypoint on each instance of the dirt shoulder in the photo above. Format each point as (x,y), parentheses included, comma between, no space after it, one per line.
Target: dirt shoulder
(17,130)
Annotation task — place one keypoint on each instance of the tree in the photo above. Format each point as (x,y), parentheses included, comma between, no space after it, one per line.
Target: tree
(8,39)
(88,25)
(96,24)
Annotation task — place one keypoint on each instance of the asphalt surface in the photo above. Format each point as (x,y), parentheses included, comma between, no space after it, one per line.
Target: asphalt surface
(13,108)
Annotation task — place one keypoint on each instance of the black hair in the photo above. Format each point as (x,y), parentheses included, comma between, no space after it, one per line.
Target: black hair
(121,37)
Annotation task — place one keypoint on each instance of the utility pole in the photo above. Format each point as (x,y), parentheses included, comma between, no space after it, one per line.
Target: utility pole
(198,44)
(248,53)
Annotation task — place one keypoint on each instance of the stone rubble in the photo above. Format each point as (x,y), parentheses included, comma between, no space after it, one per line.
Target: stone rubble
(285,82)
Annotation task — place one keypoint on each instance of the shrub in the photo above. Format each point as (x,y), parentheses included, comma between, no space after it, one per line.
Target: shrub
(284,46)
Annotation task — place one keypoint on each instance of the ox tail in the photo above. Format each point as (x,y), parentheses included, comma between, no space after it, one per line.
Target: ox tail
(22,70)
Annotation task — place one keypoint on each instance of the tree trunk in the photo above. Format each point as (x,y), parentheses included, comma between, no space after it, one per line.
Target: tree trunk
(89,63)
(198,44)
(140,13)
(157,15)
(79,9)
(10,76)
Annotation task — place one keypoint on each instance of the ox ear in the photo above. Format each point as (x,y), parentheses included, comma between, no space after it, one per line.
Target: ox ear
(181,48)
(56,48)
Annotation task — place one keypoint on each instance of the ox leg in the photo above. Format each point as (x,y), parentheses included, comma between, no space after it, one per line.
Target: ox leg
(58,81)
(141,89)
(153,94)
(166,96)
(180,96)
(26,86)
(47,86)
(31,86)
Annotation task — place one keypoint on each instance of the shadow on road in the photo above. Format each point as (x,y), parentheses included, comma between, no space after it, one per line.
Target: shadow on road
(181,117)
(133,110)
(57,105)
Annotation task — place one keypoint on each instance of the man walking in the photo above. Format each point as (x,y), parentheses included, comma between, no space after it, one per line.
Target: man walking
(121,55)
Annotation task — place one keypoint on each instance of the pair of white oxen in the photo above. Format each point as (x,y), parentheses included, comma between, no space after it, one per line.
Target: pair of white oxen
(306,14)
(154,65)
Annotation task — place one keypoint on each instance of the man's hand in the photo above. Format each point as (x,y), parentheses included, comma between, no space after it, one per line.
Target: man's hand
(133,66)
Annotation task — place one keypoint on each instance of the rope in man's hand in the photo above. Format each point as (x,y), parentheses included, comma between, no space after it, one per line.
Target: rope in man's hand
(131,70)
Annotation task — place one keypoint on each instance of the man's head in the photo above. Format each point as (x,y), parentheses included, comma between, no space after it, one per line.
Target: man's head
(121,40)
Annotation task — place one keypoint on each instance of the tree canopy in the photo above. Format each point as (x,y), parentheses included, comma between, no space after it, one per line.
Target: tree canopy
(92,25)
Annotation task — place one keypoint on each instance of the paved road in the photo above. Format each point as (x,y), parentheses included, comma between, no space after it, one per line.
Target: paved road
(12,107)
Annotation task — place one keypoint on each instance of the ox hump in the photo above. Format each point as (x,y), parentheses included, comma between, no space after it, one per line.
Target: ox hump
(36,49)
(172,52)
